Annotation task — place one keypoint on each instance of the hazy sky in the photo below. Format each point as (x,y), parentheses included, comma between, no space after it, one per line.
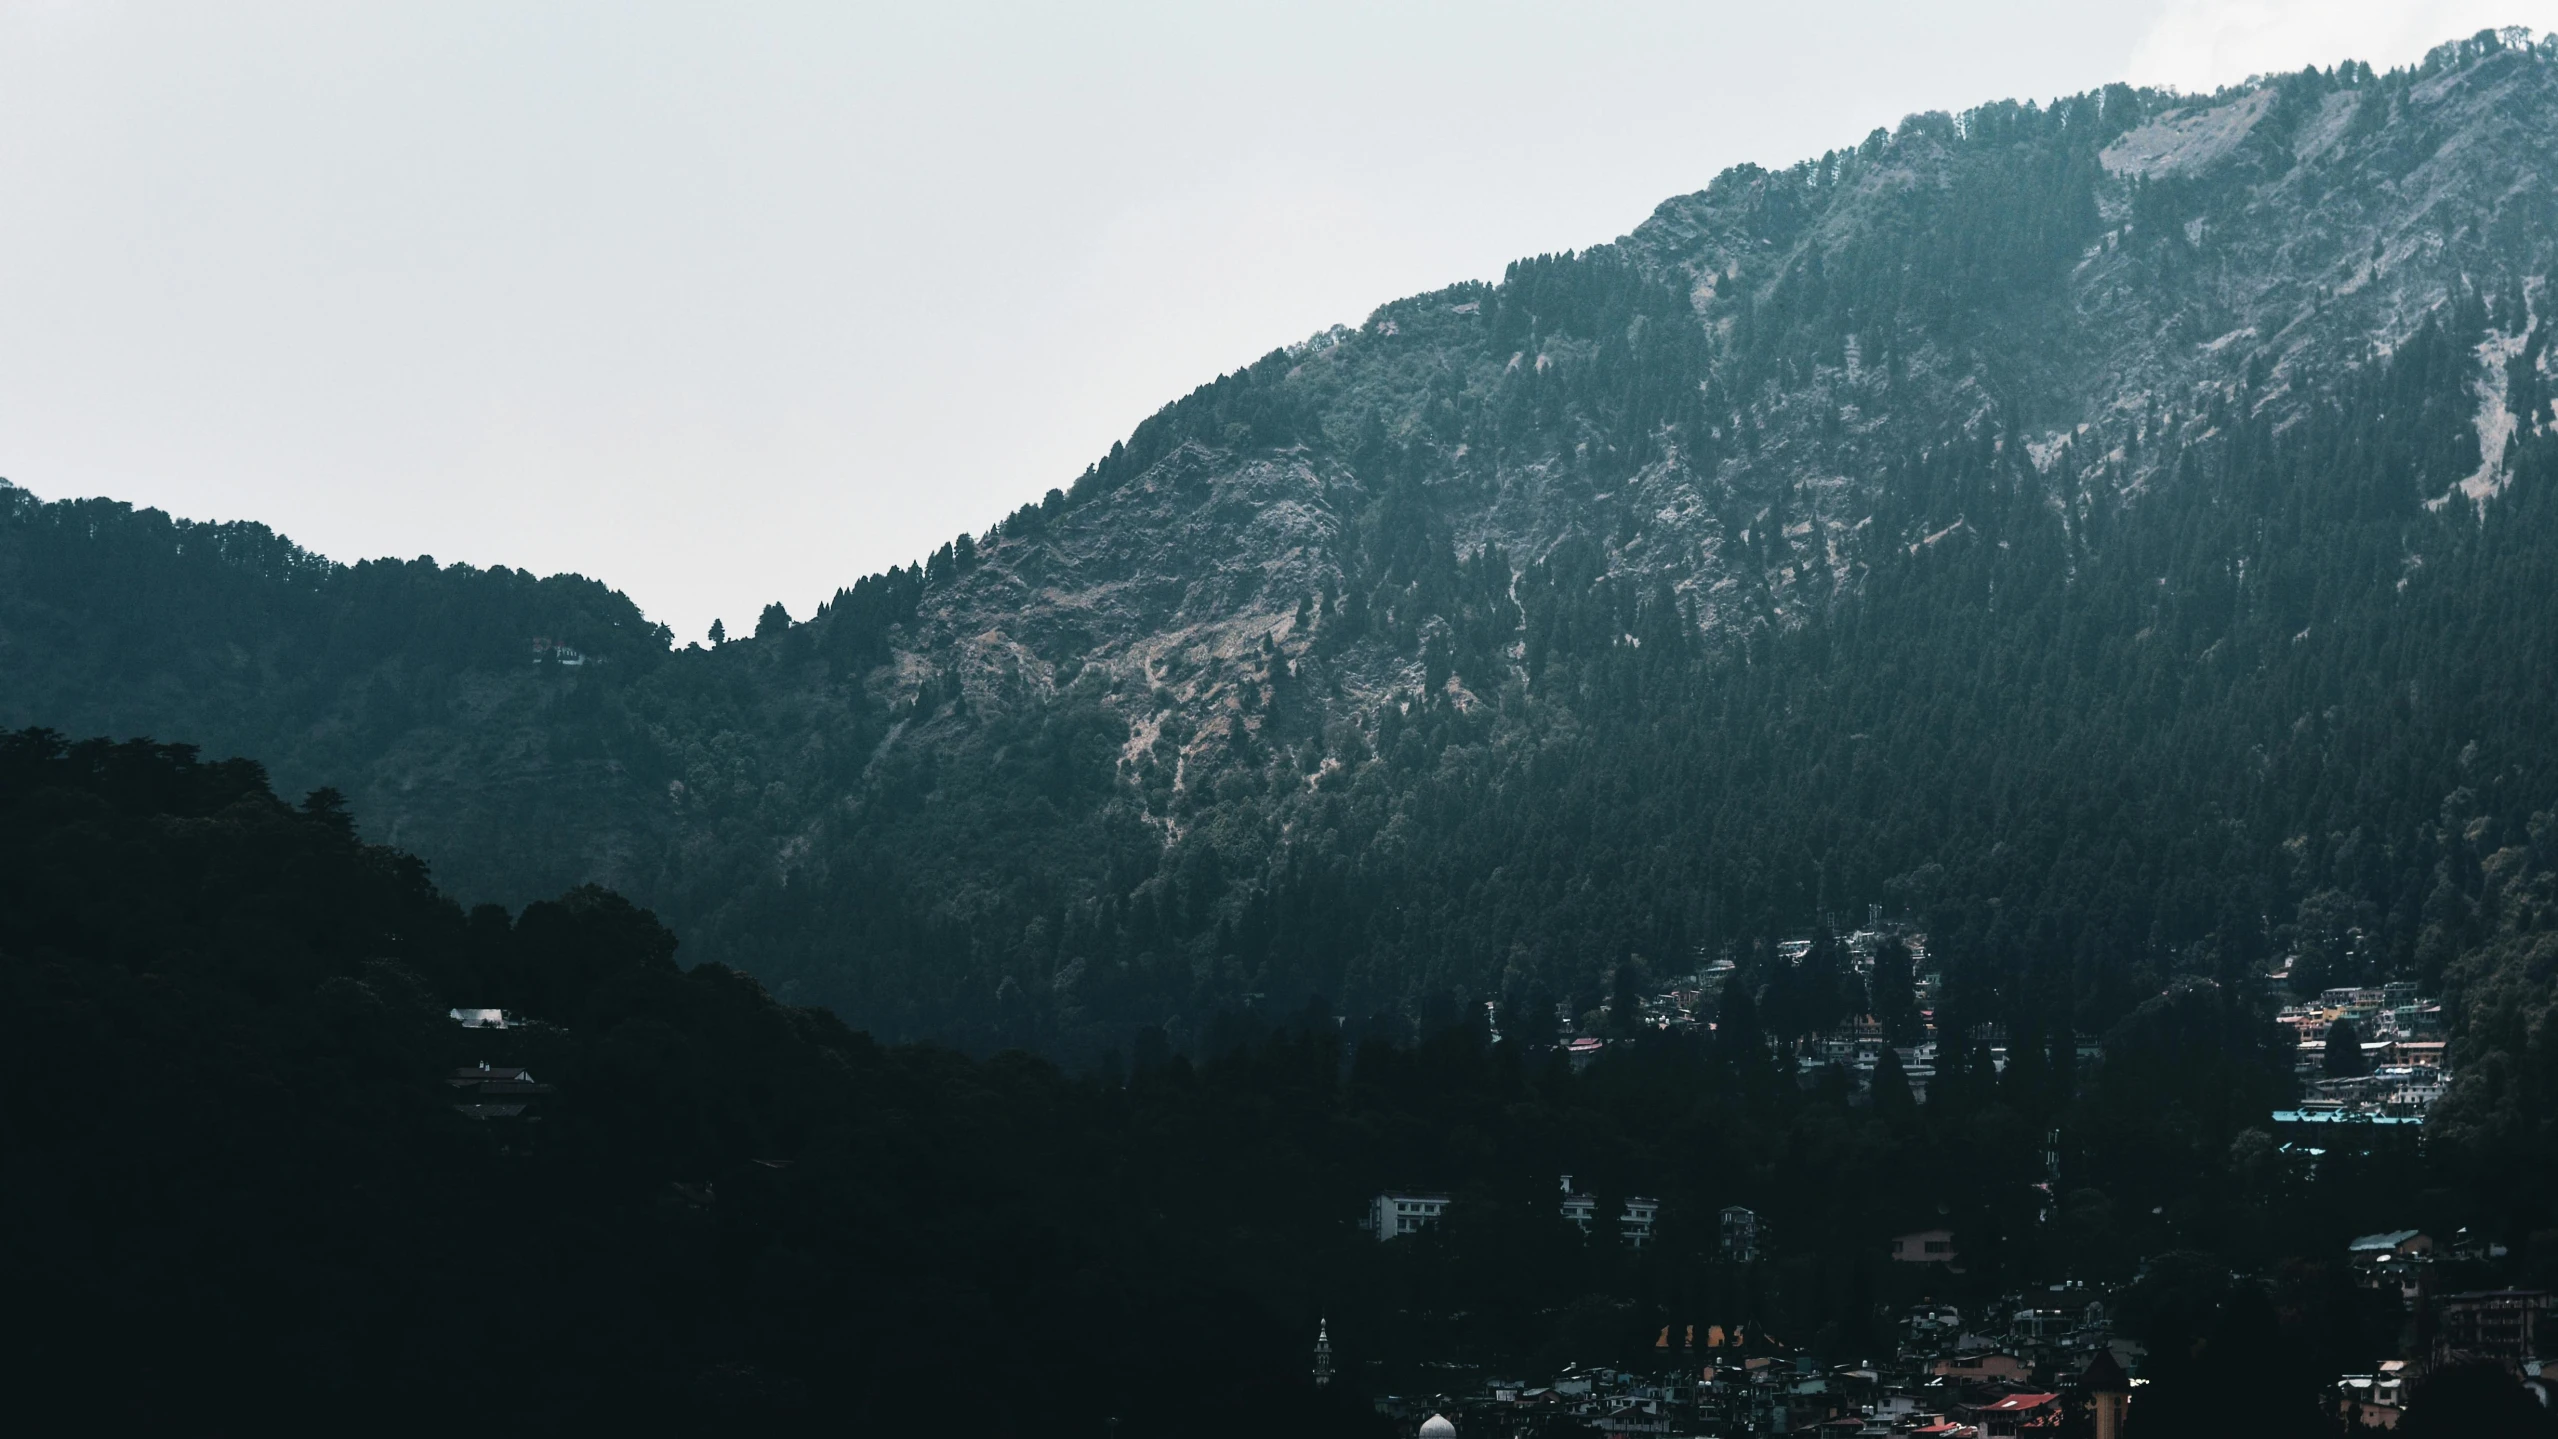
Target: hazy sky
(727,304)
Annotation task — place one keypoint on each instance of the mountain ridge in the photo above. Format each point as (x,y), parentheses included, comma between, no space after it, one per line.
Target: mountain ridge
(1203,725)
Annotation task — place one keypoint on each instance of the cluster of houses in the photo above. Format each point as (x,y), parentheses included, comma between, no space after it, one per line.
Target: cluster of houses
(2512,1327)
(2034,1363)
(1400,1213)
(2398,1075)
(2398,1072)
(2029,1366)
(2044,1363)
(1689,1003)
(2016,1369)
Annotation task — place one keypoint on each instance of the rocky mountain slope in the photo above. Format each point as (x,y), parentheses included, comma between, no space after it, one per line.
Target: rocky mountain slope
(2100,305)
(2107,532)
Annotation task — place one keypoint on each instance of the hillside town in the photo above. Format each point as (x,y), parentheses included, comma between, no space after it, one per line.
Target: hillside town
(2046,1362)
(2025,1367)
(2365,1053)
(2051,1360)
(2370,1060)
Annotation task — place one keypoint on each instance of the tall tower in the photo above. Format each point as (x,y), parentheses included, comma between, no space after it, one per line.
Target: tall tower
(2109,1391)
(1323,1353)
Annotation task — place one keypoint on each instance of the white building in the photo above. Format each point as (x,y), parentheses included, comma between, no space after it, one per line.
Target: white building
(1634,1221)
(1395,1214)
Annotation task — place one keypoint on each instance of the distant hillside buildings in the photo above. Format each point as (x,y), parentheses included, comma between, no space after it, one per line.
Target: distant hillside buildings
(1397,1213)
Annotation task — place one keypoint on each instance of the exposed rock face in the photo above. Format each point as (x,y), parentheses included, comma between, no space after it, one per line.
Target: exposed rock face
(2243,255)
(1212,725)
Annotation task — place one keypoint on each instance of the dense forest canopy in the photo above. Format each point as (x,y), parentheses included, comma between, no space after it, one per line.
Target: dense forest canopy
(240,1182)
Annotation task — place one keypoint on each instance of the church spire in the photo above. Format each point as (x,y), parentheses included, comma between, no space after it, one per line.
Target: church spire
(1323,1352)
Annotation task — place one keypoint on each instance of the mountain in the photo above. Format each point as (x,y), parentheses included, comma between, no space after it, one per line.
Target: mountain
(2112,535)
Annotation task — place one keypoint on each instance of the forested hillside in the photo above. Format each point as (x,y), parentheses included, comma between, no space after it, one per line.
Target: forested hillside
(245,1189)
(2113,535)
(238,1189)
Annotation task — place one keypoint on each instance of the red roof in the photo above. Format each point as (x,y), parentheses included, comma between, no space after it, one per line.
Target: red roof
(2019,1403)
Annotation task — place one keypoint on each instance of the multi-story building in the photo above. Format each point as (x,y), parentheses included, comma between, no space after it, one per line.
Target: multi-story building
(2506,1325)
(1925,1246)
(1634,1221)
(1740,1235)
(1397,1213)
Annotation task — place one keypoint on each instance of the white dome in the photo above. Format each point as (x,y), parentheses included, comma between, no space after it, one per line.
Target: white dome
(1438,1427)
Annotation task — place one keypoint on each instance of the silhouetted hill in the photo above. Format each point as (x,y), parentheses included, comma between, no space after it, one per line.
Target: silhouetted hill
(257,1178)
(240,1191)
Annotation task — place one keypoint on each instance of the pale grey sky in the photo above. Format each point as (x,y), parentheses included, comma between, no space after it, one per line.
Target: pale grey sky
(727,304)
